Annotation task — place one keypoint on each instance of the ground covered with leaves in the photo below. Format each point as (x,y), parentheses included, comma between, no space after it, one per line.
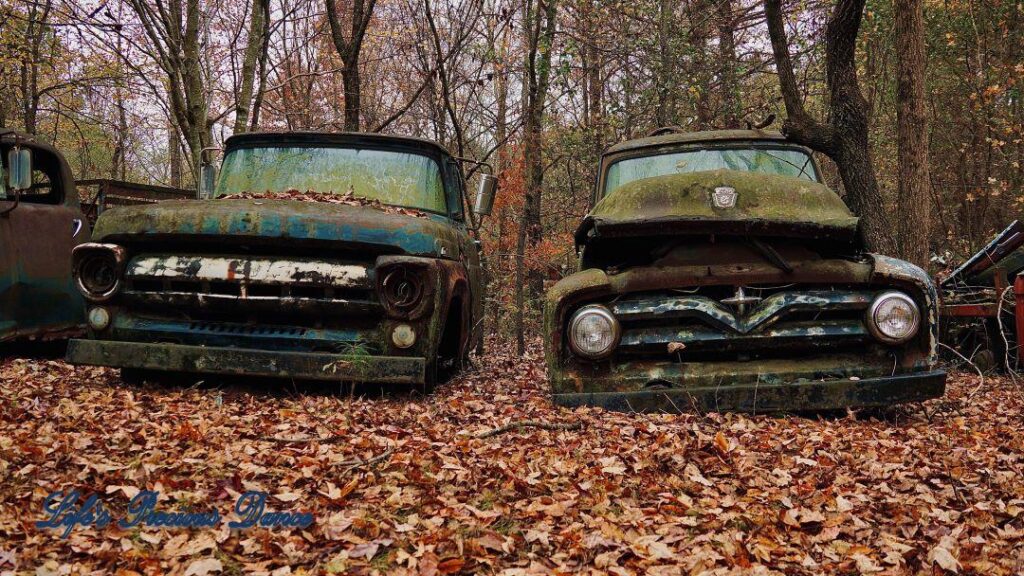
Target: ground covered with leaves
(411,485)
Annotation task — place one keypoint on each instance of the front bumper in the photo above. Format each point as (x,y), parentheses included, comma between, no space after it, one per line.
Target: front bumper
(250,362)
(773,397)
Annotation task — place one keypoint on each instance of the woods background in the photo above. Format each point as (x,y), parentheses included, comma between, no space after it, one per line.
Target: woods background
(919,102)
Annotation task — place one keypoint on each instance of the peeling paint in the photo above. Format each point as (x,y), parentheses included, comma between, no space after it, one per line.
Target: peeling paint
(246,270)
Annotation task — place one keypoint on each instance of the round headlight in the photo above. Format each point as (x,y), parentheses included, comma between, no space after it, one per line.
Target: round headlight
(593,332)
(893,318)
(403,336)
(401,289)
(99,318)
(98,274)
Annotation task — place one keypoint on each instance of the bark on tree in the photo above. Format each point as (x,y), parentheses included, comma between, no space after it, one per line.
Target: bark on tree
(500,48)
(699,69)
(540,24)
(731,99)
(174,155)
(349,44)
(35,32)
(665,114)
(844,135)
(913,205)
(255,44)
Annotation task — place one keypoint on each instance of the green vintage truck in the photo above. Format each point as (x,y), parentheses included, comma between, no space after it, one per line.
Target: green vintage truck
(718,272)
(343,257)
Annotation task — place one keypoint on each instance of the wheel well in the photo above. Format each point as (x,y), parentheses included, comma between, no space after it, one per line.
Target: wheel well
(451,339)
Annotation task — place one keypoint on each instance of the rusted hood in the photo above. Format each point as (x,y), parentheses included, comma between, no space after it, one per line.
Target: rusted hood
(355,226)
(765,204)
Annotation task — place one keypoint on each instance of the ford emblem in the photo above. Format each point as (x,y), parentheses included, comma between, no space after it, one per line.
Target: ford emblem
(724,197)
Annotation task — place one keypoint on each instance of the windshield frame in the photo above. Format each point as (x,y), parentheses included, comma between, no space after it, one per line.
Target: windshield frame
(608,160)
(397,146)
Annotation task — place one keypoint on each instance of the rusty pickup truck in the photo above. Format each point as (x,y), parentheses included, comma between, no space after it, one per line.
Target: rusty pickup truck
(40,223)
(339,257)
(718,272)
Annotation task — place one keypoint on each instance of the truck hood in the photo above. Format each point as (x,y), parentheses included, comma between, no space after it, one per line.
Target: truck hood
(355,227)
(765,205)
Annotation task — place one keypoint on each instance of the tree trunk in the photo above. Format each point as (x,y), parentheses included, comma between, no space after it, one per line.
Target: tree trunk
(665,115)
(349,47)
(913,222)
(540,38)
(174,155)
(492,317)
(731,98)
(255,44)
(844,137)
(352,82)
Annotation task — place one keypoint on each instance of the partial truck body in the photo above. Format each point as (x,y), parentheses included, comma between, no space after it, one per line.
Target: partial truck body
(41,222)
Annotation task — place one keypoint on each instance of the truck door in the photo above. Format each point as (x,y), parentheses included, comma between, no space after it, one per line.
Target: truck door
(37,234)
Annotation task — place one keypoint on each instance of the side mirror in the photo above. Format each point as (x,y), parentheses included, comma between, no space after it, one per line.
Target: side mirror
(19,165)
(485,194)
(207,180)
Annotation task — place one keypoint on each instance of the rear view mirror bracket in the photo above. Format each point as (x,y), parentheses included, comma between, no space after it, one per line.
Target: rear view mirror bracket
(486,190)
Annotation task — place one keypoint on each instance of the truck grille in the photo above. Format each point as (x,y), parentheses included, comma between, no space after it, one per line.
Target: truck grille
(779,323)
(242,285)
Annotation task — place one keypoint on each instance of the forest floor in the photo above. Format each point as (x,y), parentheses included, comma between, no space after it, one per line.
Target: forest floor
(403,484)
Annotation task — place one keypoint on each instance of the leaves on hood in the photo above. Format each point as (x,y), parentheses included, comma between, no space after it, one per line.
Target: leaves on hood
(922,489)
(348,199)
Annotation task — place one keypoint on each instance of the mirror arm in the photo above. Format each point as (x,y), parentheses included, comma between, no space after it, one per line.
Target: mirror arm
(477,164)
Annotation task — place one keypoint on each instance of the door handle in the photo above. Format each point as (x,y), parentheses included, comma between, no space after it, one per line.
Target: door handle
(76,227)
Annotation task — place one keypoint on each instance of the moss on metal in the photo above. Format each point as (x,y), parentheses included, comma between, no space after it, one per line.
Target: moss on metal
(764,197)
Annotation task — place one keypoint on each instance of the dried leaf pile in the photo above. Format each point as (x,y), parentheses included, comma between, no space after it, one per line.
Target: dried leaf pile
(411,485)
(348,199)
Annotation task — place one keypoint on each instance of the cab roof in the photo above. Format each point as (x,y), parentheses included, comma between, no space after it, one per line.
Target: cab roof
(250,139)
(711,136)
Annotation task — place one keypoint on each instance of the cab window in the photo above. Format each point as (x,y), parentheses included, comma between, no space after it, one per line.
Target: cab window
(782,161)
(46,183)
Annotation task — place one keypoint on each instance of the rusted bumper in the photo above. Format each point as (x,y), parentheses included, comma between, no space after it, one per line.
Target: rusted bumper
(243,361)
(763,397)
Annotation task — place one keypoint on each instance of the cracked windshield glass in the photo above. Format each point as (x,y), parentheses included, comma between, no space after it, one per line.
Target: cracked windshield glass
(780,161)
(395,178)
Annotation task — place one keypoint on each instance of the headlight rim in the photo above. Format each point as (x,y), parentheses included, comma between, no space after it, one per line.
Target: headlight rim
(877,332)
(81,255)
(426,278)
(603,311)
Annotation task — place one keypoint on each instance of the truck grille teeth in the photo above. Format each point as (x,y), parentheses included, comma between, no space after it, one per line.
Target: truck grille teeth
(779,323)
(218,328)
(237,287)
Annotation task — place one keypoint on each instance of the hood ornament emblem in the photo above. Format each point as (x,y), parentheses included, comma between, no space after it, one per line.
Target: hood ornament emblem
(740,301)
(724,197)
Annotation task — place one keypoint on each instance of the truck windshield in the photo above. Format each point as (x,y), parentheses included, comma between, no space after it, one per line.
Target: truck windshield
(782,161)
(392,177)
